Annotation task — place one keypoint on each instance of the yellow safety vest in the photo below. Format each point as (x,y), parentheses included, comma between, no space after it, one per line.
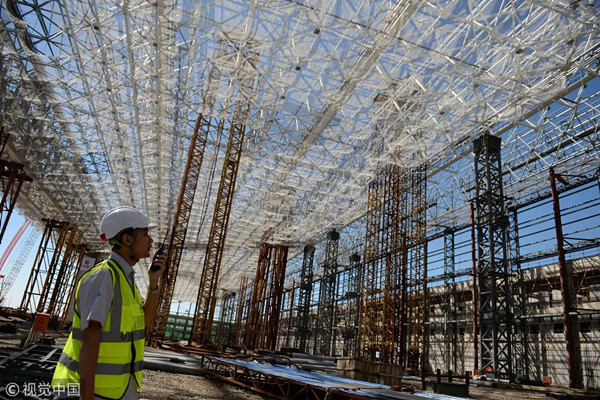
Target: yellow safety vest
(121,341)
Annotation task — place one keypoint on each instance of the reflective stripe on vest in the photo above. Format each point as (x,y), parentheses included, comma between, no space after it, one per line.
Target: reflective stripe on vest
(120,353)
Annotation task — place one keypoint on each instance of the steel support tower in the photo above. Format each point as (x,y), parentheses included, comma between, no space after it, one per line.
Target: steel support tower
(67,270)
(47,256)
(450,312)
(258,294)
(521,347)
(181,220)
(272,309)
(350,306)
(236,334)
(206,299)
(12,177)
(495,293)
(304,298)
(417,309)
(325,333)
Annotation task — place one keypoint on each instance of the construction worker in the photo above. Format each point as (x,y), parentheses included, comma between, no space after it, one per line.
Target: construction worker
(102,358)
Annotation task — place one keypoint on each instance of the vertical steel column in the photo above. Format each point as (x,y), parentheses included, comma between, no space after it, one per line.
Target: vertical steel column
(206,299)
(571,323)
(417,307)
(521,348)
(12,177)
(181,220)
(351,305)
(390,248)
(274,297)
(237,327)
(290,297)
(58,299)
(41,265)
(50,281)
(369,334)
(226,320)
(495,294)
(80,251)
(474,291)
(327,295)
(450,325)
(304,297)
(258,295)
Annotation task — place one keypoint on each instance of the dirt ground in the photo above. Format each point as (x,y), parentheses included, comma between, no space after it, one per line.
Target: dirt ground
(158,385)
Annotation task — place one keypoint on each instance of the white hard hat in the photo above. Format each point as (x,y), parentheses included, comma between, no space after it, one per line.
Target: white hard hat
(121,218)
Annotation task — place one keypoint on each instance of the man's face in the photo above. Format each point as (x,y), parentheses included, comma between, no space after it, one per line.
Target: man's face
(143,244)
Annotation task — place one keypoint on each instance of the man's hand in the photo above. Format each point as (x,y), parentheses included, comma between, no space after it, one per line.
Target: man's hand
(155,273)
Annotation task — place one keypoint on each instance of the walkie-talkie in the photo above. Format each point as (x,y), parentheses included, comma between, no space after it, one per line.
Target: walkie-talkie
(159,251)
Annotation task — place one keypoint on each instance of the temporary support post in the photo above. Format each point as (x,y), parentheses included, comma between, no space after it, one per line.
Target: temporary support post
(495,291)
(80,251)
(274,297)
(51,282)
(206,299)
(350,306)
(571,323)
(521,347)
(68,268)
(181,220)
(12,177)
(49,244)
(289,295)
(474,291)
(450,314)
(258,295)
(239,315)
(226,320)
(304,297)
(417,308)
(327,295)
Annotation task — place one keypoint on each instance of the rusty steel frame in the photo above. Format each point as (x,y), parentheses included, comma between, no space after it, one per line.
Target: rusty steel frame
(49,244)
(181,220)
(12,177)
(258,295)
(272,308)
(79,253)
(571,320)
(67,270)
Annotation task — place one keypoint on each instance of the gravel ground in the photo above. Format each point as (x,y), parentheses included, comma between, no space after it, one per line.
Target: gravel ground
(158,385)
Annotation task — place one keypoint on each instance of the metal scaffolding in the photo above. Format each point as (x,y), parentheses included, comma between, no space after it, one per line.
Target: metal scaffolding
(326,314)
(241,314)
(494,281)
(272,308)
(304,298)
(253,323)
(349,289)
(181,220)
(244,58)
(417,309)
(41,278)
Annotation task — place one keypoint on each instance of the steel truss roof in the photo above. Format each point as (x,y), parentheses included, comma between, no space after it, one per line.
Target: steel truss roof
(101,98)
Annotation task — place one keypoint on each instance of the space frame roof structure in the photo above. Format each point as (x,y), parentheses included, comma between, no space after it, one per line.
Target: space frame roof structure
(101,99)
